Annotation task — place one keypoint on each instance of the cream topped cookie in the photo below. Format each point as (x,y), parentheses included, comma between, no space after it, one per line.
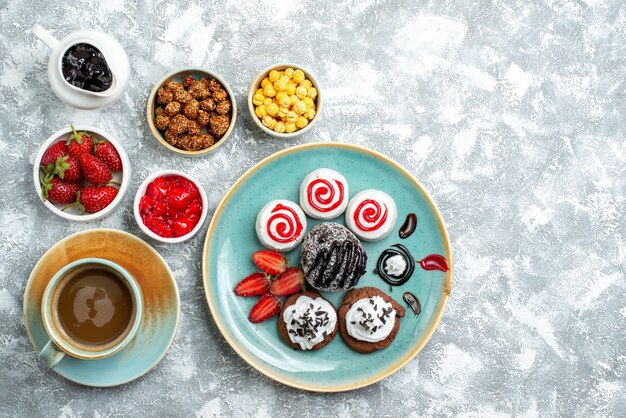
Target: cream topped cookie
(370,319)
(280,225)
(309,321)
(371,215)
(324,194)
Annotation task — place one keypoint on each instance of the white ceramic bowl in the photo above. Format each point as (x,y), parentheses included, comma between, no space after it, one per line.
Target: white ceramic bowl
(142,191)
(256,84)
(122,177)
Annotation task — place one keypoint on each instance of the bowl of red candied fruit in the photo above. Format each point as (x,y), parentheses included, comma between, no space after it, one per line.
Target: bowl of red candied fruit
(170,206)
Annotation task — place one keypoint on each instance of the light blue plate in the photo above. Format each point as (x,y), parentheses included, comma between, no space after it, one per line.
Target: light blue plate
(161,305)
(231,240)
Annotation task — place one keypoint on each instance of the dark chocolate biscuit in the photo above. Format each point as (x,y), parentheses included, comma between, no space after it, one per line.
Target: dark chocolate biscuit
(333,258)
(282,327)
(350,299)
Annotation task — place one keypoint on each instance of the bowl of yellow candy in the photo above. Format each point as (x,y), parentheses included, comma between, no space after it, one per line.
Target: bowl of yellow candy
(284,100)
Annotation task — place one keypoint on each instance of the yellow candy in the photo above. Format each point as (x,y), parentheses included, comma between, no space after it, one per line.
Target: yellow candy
(289,72)
(282,98)
(298,76)
(280,85)
(307,84)
(291,88)
(272,109)
(259,91)
(309,102)
(269,90)
(301,92)
(291,116)
(267,101)
(279,127)
(310,113)
(290,127)
(312,93)
(269,121)
(265,82)
(258,99)
(282,112)
(299,108)
(302,122)
(293,99)
(260,111)
(274,75)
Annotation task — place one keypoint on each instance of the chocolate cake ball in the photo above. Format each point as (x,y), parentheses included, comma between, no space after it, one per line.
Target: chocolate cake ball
(333,258)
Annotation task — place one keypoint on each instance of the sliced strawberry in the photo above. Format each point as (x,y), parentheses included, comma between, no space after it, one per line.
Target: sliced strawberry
(270,262)
(288,283)
(253,285)
(267,307)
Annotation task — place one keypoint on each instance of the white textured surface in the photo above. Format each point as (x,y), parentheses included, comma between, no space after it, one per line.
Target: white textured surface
(511,113)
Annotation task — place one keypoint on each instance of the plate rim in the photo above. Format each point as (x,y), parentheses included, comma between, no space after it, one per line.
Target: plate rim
(447,284)
(176,292)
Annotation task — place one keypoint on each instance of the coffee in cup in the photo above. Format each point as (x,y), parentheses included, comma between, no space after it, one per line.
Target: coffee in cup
(91,309)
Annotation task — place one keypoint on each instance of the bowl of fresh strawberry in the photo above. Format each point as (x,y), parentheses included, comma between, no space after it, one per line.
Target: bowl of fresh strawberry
(170,206)
(81,173)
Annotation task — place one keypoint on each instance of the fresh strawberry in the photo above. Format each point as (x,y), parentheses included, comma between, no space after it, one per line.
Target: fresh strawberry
(79,143)
(267,307)
(288,283)
(68,168)
(59,191)
(107,153)
(270,262)
(95,171)
(92,199)
(51,155)
(253,285)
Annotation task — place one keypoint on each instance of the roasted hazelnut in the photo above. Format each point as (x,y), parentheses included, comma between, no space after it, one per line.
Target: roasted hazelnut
(174,87)
(164,95)
(199,90)
(191,109)
(195,142)
(193,127)
(208,104)
(220,95)
(171,137)
(178,124)
(223,108)
(219,124)
(202,118)
(162,121)
(188,81)
(182,96)
(172,108)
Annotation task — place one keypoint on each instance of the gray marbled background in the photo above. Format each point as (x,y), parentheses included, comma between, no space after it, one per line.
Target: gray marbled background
(511,113)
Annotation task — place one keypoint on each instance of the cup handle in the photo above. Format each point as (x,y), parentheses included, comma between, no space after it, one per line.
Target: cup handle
(51,354)
(45,36)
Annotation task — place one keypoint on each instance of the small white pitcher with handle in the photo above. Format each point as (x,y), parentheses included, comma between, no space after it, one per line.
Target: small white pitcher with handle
(114,55)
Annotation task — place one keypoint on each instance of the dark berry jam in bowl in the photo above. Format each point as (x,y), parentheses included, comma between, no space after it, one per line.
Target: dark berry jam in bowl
(170,206)
(84,67)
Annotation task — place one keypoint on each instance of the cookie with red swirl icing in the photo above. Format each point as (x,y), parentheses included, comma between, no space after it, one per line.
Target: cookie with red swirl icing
(280,225)
(324,194)
(371,215)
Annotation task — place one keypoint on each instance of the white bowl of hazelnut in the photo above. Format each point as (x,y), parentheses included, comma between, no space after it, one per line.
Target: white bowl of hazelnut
(284,100)
(191,111)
